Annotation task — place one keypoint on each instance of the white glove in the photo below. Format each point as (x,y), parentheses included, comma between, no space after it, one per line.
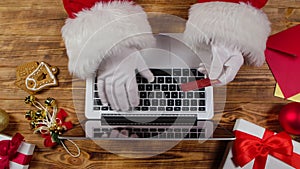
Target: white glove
(225,64)
(117,84)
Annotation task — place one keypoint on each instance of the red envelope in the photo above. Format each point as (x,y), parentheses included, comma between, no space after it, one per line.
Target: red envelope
(283,57)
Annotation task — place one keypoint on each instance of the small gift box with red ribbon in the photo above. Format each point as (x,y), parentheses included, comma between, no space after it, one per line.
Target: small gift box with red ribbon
(258,148)
(14,152)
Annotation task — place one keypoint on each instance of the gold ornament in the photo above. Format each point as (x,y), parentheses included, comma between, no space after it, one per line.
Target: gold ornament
(4,120)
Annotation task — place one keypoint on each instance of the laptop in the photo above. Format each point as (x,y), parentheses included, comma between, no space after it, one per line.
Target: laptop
(165,112)
(172,63)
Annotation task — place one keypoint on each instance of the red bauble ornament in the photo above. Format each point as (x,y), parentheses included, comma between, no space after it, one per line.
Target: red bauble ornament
(289,118)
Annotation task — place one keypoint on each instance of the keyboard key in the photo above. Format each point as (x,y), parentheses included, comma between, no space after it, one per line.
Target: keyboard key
(147,135)
(177,72)
(156,87)
(144,80)
(159,95)
(177,109)
(174,95)
(186,72)
(193,135)
(169,80)
(169,108)
(176,79)
(172,87)
(146,102)
(97,102)
(104,108)
(182,95)
(153,129)
(170,102)
(185,108)
(160,80)
(158,72)
(177,130)
(154,102)
(138,79)
(167,95)
(194,103)
(149,87)
(162,102)
(141,102)
(161,130)
(193,109)
(202,95)
(96,108)
(137,108)
(141,87)
(170,135)
(177,102)
(201,102)
(161,108)
(178,135)
(178,88)
(168,72)
(183,80)
(186,103)
(165,88)
(151,95)
(191,79)
(143,95)
(153,108)
(190,95)
(145,108)
(194,72)
(96,95)
(201,108)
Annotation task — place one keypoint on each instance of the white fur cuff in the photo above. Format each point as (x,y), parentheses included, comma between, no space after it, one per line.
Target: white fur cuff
(238,26)
(101,31)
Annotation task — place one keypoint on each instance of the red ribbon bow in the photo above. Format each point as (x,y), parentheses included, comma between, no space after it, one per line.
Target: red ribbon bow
(8,150)
(51,140)
(248,147)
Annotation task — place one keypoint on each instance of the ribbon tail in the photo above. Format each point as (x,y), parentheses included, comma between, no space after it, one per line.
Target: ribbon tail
(260,162)
(4,162)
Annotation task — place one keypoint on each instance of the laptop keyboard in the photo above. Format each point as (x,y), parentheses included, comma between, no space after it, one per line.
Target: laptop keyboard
(164,94)
(162,133)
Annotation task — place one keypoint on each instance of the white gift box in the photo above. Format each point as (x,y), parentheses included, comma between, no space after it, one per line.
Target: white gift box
(25,149)
(252,129)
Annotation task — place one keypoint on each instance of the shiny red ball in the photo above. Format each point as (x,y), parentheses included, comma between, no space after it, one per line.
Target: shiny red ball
(289,118)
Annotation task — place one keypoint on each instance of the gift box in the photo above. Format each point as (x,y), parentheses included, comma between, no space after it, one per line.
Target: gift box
(258,148)
(19,159)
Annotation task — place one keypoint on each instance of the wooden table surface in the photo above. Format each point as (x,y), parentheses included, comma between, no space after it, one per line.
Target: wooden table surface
(30,31)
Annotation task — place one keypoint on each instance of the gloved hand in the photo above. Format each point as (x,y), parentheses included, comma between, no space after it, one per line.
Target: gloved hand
(116,79)
(225,64)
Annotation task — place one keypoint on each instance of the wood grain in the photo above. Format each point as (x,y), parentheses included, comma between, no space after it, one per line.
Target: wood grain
(30,31)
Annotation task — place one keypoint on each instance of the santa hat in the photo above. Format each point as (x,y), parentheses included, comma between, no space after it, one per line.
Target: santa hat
(101,28)
(238,24)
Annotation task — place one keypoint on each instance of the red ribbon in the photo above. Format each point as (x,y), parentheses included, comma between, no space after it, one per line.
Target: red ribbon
(8,150)
(60,120)
(248,147)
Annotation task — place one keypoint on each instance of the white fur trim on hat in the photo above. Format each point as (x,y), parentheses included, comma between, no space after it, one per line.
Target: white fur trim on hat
(238,26)
(101,31)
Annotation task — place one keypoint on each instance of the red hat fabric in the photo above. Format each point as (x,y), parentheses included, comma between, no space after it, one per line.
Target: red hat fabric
(256,3)
(74,6)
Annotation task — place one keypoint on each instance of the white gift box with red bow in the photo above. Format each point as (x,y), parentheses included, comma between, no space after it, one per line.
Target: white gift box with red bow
(271,161)
(24,154)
